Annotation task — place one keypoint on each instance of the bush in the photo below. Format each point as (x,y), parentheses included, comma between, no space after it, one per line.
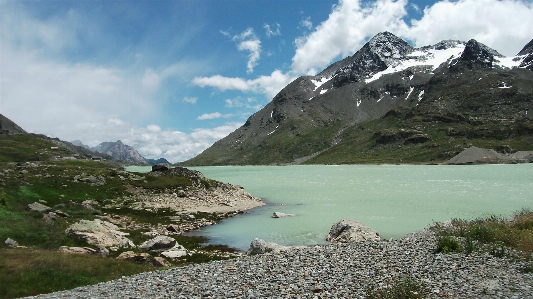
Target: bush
(448,245)
(406,288)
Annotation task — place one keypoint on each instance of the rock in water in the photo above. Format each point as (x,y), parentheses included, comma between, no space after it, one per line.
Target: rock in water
(282,215)
(346,231)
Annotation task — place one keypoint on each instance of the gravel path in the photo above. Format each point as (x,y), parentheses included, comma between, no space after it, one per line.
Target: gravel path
(332,271)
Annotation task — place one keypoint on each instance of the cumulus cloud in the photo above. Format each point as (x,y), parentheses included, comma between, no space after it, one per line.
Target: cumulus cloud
(269,85)
(248,41)
(209,116)
(173,145)
(306,23)
(345,31)
(270,32)
(150,79)
(239,102)
(502,25)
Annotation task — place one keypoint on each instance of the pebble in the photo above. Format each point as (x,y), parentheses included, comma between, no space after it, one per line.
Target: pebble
(330,271)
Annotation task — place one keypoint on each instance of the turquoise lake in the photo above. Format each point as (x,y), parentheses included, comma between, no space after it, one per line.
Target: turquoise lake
(392,199)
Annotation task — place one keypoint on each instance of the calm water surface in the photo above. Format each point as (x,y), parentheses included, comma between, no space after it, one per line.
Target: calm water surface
(392,199)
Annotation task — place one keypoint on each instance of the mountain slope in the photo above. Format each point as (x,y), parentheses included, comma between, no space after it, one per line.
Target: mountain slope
(119,151)
(314,115)
(7,127)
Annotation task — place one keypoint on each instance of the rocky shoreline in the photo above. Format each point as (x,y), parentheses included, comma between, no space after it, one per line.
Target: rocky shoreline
(342,270)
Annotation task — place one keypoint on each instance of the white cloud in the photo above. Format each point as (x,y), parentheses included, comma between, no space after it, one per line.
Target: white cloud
(175,146)
(345,31)
(213,115)
(502,25)
(270,32)
(150,79)
(306,23)
(269,85)
(153,128)
(248,41)
(190,100)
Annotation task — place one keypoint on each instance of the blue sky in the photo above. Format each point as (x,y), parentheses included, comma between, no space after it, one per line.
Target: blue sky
(172,77)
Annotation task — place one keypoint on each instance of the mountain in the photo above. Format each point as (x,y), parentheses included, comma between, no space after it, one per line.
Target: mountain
(157,161)
(390,102)
(7,127)
(79,143)
(119,151)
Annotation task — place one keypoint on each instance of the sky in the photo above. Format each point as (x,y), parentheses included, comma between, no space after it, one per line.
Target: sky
(171,77)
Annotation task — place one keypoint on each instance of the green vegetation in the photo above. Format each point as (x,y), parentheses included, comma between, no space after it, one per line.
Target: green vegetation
(31,172)
(26,272)
(492,234)
(401,288)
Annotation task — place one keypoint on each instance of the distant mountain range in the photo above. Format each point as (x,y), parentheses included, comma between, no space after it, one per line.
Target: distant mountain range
(391,102)
(120,152)
(106,150)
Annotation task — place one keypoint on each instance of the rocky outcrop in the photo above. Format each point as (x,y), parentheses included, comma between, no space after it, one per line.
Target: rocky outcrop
(346,231)
(177,252)
(260,246)
(132,256)
(99,233)
(476,155)
(93,180)
(39,207)
(101,251)
(161,167)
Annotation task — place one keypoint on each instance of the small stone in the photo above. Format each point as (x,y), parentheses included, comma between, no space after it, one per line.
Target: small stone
(161,262)
(11,243)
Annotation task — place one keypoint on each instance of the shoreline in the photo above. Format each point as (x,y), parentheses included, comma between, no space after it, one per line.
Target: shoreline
(344,270)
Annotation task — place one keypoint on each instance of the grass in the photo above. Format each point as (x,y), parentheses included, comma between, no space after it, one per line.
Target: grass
(26,272)
(402,288)
(491,233)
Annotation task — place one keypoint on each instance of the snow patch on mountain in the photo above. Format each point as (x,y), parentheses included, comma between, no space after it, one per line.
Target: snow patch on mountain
(432,56)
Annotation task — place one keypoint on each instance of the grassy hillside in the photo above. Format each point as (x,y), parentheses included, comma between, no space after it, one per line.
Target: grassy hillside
(31,172)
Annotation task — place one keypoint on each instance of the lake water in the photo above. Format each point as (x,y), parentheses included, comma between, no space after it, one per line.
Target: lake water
(392,199)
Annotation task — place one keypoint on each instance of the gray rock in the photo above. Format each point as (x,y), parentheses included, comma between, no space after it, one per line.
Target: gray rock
(260,246)
(159,244)
(39,207)
(99,233)
(175,253)
(11,243)
(132,256)
(346,231)
(282,215)
(161,262)
(76,250)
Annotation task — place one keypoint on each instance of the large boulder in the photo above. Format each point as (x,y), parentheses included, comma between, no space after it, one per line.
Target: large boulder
(39,207)
(159,244)
(346,231)
(132,256)
(260,246)
(161,167)
(99,233)
(175,253)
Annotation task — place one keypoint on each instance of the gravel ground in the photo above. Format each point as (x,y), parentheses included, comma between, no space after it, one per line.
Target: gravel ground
(332,271)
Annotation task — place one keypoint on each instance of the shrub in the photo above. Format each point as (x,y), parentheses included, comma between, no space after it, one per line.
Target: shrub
(406,288)
(448,244)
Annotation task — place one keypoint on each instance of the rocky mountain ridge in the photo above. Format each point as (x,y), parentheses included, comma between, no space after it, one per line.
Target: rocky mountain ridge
(315,114)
